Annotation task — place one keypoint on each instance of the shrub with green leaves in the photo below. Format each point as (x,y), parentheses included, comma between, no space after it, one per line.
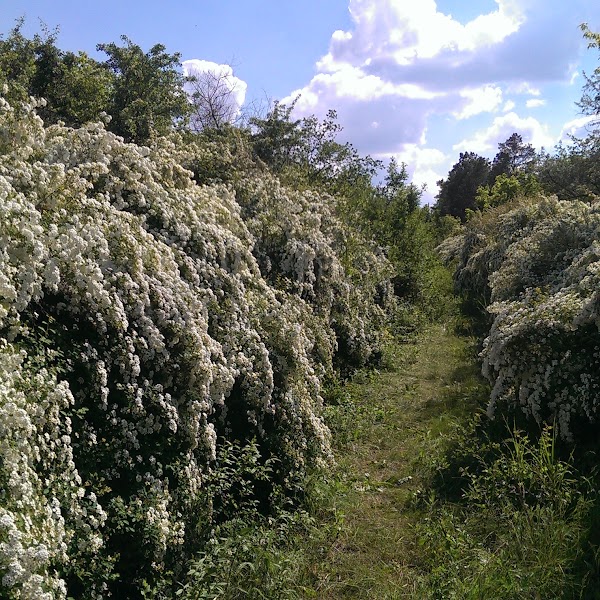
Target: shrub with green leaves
(518,532)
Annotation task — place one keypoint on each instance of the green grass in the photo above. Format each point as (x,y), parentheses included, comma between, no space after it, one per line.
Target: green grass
(432,500)
(428,500)
(386,425)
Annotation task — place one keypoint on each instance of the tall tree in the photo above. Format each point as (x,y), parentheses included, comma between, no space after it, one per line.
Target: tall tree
(513,156)
(573,172)
(307,150)
(213,98)
(148,93)
(590,100)
(19,61)
(458,192)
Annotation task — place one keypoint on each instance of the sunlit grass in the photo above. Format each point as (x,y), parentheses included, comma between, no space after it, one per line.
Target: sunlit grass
(386,424)
(418,463)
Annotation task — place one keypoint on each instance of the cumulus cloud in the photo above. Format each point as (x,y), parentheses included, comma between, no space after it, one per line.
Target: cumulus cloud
(484,99)
(406,31)
(403,65)
(524,88)
(578,128)
(486,141)
(426,166)
(535,103)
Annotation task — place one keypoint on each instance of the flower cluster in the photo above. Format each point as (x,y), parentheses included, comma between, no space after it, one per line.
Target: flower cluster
(543,349)
(140,326)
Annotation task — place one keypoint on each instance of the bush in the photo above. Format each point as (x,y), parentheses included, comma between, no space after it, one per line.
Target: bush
(534,267)
(137,331)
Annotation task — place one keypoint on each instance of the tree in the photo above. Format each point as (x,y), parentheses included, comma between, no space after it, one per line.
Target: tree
(513,156)
(306,151)
(277,136)
(19,62)
(142,92)
(458,192)
(77,89)
(148,96)
(506,188)
(213,99)
(590,100)
(574,170)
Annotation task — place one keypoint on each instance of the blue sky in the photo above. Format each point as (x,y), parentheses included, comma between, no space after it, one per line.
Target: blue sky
(418,80)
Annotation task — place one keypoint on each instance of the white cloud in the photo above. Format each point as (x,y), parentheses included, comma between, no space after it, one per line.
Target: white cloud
(405,31)
(484,99)
(486,141)
(574,76)
(535,103)
(225,74)
(426,167)
(352,83)
(403,66)
(524,88)
(576,128)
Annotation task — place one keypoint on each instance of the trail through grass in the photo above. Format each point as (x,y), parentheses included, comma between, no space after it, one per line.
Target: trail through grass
(387,424)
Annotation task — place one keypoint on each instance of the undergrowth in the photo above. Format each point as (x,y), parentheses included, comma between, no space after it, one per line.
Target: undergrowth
(521,525)
(430,499)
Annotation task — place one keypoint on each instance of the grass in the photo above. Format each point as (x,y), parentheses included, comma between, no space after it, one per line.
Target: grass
(387,424)
(432,500)
(429,500)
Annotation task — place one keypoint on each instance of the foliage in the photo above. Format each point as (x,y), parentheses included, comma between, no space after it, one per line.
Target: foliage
(535,268)
(143,92)
(519,531)
(513,157)
(458,192)
(148,93)
(306,153)
(572,173)
(76,88)
(170,337)
(507,188)
(590,100)
(248,554)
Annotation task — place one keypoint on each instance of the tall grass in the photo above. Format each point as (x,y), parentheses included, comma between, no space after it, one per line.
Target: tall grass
(520,530)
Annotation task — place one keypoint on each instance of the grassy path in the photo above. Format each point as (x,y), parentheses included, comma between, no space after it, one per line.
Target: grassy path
(389,424)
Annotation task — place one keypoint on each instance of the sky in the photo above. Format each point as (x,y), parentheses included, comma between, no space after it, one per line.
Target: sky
(417,80)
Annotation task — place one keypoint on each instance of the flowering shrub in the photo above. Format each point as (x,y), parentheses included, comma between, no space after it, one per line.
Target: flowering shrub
(137,332)
(304,249)
(543,349)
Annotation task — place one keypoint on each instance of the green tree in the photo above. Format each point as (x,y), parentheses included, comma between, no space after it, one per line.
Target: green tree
(513,156)
(573,172)
(277,136)
(148,96)
(306,151)
(459,190)
(506,188)
(79,92)
(590,99)
(18,62)
(76,88)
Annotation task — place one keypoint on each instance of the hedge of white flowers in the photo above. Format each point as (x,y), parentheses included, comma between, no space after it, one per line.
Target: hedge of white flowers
(541,264)
(136,331)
